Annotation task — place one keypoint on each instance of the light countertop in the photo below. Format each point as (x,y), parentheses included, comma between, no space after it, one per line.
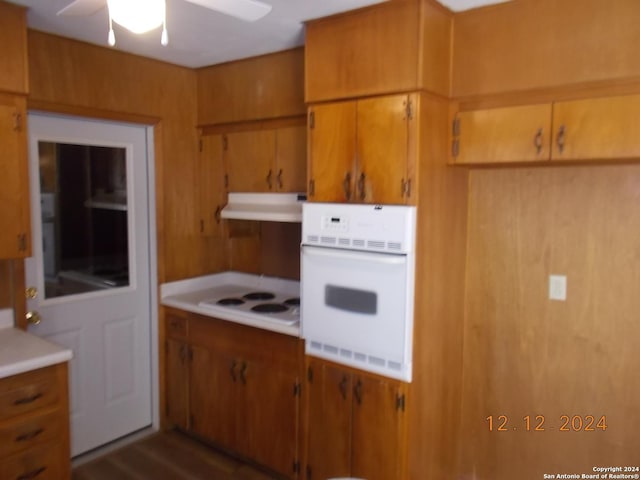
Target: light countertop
(21,352)
(187,295)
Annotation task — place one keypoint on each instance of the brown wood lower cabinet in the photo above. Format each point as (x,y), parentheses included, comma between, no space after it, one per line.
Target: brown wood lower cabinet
(34,425)
(177,411)
(356,424)
(237,387)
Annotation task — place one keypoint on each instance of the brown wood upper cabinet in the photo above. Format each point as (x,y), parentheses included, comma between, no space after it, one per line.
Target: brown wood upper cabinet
(575,130)
(360,151)
(343,440)
(270,160)
(264,87)
(532,45)
(14,215)
(211,192)
(403,45)
(13,48)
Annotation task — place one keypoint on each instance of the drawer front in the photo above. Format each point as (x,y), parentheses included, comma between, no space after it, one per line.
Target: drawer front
(176,327)
(16,436)
(24,393)
(39,463)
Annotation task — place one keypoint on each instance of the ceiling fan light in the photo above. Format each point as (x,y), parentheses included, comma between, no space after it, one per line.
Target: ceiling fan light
(137,16)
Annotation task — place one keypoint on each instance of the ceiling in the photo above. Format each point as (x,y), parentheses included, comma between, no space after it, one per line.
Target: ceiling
(200,37)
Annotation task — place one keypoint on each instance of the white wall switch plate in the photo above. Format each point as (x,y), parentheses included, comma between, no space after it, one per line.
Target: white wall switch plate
(558,287)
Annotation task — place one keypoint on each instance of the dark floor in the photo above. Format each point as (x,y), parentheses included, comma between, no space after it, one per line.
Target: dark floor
(166,456)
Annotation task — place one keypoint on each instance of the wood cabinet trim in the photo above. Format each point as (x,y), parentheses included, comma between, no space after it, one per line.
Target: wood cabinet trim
(253,125)
(582,91)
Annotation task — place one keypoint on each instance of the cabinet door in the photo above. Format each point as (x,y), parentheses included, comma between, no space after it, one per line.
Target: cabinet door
(270,417)
(383,149)
(13,48)
(329,421)
(378,445)
(177,383)
(249,161)
(213,396)
(291,161)
(332,144)
(14,194)
(369,52)
(503,135)
(211,191)
(597,128)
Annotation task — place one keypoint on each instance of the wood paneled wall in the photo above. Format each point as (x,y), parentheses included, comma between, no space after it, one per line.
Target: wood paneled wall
(530,44)
(73,77)
(527,355)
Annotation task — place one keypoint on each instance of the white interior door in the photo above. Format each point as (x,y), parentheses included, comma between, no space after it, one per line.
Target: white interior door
(89,205)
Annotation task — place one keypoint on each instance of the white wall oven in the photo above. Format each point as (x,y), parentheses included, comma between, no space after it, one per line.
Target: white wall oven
(357,285)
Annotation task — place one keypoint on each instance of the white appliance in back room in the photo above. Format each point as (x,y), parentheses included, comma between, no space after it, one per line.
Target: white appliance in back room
(357,285)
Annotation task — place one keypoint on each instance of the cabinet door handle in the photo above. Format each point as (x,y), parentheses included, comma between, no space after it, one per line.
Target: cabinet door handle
(269,182)
(279,179)
(28,400)
(537,141)
(361,186)
(17,122)
(232,370)
(29,436)
(357,392)
(343,386)
(346,186)
(22,242)
(561,138)
(217,213)
(32,474)
(243,373)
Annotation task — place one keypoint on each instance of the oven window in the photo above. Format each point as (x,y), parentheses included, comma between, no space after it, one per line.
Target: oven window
(351,300)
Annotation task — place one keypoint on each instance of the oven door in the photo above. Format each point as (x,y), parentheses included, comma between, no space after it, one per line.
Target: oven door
(356,308)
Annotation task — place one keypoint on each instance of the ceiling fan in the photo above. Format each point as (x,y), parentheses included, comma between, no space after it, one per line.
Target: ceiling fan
(140,16)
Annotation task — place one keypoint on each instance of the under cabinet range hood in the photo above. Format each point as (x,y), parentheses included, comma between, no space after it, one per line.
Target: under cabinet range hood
(267,207)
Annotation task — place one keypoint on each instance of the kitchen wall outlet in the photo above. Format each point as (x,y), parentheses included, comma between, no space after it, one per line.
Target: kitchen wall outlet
(558,287)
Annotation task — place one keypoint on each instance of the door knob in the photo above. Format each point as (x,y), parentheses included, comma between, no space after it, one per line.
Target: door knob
(31,293)
(33,318)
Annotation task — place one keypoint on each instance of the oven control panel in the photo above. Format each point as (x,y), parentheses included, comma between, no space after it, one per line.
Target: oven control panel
(381,228)
(335,223)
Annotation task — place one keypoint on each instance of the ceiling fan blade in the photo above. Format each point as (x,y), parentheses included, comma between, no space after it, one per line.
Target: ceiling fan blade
(83,7)
(248,10)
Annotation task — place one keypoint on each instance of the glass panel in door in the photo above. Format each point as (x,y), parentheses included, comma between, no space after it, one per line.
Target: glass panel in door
(84,218)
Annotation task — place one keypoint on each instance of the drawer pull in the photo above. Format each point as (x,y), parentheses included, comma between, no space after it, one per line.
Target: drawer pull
(25,437)
(27,400)
(31,474)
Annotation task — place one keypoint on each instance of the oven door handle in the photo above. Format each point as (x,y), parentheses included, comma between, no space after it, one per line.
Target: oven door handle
(336,253)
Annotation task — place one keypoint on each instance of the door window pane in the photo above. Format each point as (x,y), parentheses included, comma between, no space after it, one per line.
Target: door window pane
(84,218)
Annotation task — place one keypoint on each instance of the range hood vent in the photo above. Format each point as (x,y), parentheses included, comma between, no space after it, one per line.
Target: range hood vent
(268,207)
